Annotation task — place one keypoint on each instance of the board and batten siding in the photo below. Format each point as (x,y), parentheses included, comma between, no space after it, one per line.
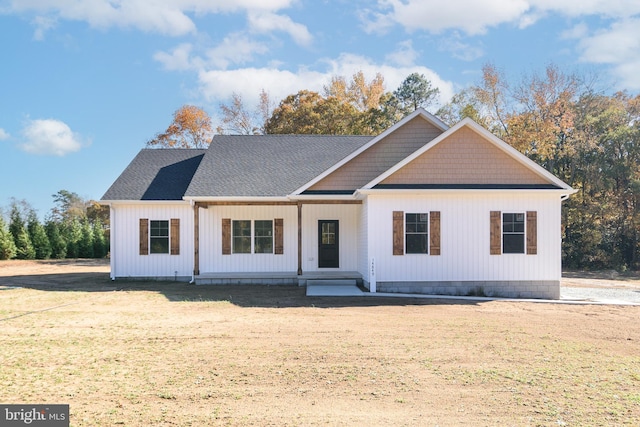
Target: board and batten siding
(212,259)
(465,237)
(126,258)
(349,225)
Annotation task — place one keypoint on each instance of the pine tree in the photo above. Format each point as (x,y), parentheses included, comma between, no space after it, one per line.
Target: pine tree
(72,233)
(24,247)
(7,246)
(100,246)
(85,245)
(57,242)
(38,237)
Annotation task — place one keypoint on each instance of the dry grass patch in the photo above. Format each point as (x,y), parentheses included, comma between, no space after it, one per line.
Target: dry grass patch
(131,353)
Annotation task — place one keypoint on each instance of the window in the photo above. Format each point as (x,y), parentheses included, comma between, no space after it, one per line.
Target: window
(242,237)
(263,237)
(246,236)
(416,235)
(159,237)
(513,233)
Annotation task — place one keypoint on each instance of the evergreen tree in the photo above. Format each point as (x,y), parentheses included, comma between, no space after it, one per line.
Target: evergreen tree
(38,237)
(100,246)
(72,232)
(85,245)
(7,246)
(24,247)
(57,242)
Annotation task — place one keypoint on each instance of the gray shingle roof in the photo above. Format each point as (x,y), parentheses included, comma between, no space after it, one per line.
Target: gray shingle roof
(267,165)
(156,174)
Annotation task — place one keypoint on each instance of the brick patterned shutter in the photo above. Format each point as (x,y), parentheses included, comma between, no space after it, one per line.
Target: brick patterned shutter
(175,236)
(278,235)
(434,236)
(398,232)
(144,236)
(532,232)
(226,236)
(495,231)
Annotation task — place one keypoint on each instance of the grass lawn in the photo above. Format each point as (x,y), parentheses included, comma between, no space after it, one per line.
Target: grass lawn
(160,354)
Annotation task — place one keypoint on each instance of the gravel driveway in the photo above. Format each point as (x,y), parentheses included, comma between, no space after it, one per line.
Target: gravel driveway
(600,286)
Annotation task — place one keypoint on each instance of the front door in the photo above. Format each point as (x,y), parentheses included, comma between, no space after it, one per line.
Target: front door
(328,253)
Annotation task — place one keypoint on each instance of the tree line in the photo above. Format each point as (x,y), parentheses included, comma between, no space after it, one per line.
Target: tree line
(585,135)
(74,228)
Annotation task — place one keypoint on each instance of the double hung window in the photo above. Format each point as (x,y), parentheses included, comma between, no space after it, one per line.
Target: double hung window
(416,235)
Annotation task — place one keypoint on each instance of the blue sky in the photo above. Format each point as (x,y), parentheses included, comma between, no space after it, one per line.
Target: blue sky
(85,83)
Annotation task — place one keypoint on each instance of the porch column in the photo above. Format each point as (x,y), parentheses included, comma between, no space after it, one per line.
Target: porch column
(196,239)
(299,238)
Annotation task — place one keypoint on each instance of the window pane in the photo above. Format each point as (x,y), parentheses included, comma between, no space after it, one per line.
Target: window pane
(513,244)
(513,233)
(263,240)
(159,237)
(241,237)
(328,233)
(416,244)
(416,233)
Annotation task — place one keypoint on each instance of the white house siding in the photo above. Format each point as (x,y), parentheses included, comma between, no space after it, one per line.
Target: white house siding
(211,258)
(348,216)
(126,260)
(465,265)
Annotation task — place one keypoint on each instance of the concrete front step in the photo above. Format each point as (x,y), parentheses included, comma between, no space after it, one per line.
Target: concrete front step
(332,282)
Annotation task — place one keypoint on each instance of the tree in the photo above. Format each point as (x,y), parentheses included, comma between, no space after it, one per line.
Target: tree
(492,94)
(361,94)
(309,113)
(68,205)
(416,91)
(18,229)
(100,243)
(38,236)
(191,128)
(7,245)
(57,242)
(72,232)
(462,105)
(85,244)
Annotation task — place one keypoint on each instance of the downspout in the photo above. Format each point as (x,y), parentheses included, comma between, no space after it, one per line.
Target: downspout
(112,224)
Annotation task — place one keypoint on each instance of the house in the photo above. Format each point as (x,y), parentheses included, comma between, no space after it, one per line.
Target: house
(420,208)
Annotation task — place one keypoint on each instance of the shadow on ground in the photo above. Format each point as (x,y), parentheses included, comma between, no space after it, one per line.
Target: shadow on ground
(273,296)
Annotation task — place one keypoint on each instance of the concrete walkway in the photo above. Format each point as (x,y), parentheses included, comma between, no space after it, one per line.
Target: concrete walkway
(344,290)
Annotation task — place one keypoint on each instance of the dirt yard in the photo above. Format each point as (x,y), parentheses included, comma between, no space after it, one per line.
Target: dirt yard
(167,354)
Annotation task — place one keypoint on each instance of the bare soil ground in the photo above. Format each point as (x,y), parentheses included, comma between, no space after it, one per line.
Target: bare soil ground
(167,354)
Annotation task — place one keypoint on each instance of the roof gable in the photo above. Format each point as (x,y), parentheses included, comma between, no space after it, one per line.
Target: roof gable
(377,156)
(467,156)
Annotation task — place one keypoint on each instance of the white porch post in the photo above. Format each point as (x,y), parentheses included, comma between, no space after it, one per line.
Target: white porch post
(372,275)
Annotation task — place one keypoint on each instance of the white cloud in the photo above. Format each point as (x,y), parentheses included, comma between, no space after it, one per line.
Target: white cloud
(179,59)
(475,17)
(405,55)
(218,85)
(50,137)
(170,17)
(459,49)
(266,22)
(470,16)
(236,48)
(618,46)
(4,134)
